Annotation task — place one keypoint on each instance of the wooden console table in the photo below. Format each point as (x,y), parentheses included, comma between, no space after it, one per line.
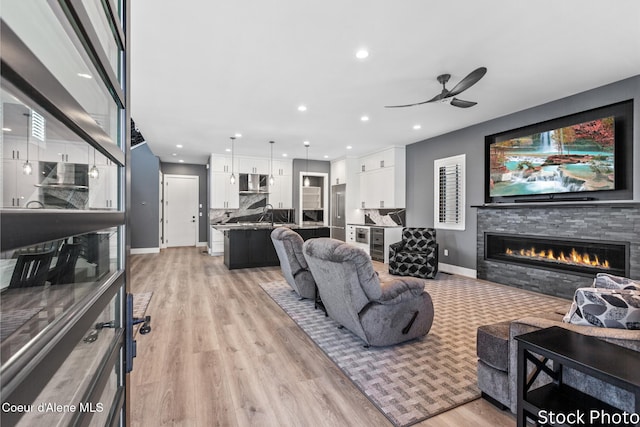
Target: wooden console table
(597,358)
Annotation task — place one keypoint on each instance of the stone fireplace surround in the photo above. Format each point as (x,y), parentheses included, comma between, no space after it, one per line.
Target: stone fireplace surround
(608,221)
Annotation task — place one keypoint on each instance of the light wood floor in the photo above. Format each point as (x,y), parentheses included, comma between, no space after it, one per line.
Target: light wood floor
(222,353)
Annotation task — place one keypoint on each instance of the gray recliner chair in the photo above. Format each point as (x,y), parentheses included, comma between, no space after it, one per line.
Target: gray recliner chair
(288,245)
(379,312)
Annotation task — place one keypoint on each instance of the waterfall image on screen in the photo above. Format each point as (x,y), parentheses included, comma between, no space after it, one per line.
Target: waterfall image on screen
(571,159)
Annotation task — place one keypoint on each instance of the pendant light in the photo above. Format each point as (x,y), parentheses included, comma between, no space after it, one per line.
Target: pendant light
(307,181)
(94,172)
(271,179)
(232,179)
(27,169)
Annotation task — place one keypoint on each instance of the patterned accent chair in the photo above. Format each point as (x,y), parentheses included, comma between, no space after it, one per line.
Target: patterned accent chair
(416,254)
(288,245)
(380,311)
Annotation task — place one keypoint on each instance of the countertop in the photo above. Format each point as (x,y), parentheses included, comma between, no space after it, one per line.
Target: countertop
(264,225)
(376,225)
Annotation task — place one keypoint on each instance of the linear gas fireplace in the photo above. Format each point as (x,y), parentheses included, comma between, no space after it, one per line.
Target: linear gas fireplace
(586,257)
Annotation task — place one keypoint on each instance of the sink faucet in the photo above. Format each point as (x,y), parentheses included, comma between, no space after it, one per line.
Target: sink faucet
(268,209)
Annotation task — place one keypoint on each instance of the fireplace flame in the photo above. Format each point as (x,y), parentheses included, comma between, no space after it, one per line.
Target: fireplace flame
(574,257)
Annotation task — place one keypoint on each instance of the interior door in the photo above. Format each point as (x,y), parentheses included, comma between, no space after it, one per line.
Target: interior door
(181,210)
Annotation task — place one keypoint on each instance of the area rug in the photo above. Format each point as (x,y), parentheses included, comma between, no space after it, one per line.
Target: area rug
(414,381)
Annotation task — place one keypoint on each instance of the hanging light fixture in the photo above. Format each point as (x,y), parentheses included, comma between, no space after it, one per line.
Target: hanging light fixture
(271,179)
(94,172)
(232,179)
(27,169)
(307,181)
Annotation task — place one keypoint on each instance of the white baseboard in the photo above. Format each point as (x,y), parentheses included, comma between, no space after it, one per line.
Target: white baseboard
(135,251)
(201,244)
(455,269)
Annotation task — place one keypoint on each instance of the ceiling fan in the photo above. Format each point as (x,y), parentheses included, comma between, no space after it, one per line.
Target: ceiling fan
(449,95)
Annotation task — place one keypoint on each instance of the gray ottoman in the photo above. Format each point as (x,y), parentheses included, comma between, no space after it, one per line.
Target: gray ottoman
(492,348)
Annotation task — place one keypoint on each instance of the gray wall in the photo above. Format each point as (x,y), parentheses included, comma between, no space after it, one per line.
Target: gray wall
(144,215)
(201,172)
(470,141)
(300,165)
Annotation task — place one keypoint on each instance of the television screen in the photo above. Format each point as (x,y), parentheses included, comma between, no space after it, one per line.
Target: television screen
(571,159)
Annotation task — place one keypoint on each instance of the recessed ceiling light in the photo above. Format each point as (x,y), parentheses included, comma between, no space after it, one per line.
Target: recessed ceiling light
(349,147)
(6,129)
(284,154)
(227,150)
(181,161)
(416,127)
(325,156)
(179,145)
(362,54)
(364,118)
(302,108)
(238,135)
(174,154)
(85,75)
(306,143)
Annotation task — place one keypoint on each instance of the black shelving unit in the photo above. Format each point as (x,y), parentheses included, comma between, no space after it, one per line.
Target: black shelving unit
(597,358)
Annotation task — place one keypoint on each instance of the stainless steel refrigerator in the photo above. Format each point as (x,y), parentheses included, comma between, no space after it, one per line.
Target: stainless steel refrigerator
(338,193)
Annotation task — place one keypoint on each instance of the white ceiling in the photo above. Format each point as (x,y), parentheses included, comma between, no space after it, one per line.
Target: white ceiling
(206,70)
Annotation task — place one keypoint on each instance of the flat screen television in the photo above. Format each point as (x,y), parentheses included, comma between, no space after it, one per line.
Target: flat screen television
(575,157)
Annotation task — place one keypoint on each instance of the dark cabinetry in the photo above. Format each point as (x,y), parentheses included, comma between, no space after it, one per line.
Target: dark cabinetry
(312,233)
(252,247)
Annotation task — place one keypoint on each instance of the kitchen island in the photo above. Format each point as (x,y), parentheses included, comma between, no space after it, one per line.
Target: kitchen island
(248,246)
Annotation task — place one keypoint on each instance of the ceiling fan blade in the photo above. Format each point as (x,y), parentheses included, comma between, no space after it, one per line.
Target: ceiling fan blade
(468,81)
(462,103)
(435,98)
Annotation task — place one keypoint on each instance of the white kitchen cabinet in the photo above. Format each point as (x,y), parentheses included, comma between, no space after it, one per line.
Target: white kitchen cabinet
(67,152)
(281,192)
(224,194)
(220,163)
(253,165)
(382,159)
(339,172)
(217,242)
(351,234)
(282,168)
(18,189)
(103,190)
(382,183)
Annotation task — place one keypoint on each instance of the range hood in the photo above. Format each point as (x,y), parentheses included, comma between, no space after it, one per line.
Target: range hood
(63,175)
(251,183)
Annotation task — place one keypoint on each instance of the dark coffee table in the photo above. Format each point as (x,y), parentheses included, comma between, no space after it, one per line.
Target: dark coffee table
(567,406)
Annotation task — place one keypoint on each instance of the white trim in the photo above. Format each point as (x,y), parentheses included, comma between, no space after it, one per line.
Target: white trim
(200,244)
(455,269)
(454,173)
(325,197)
(136,251)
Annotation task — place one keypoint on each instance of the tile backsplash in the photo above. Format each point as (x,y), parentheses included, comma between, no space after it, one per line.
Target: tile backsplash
(251,210)
(388,217)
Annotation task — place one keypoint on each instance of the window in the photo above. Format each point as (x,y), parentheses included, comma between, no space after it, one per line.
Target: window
(449,191)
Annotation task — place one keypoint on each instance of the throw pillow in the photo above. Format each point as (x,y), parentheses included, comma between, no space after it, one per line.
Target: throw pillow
(609,281)
(605,308)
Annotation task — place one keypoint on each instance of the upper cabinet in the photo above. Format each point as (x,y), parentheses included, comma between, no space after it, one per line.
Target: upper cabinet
(253,165)
(220,163)
(382,179)
(339,172)
(282,168)
(281,192)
